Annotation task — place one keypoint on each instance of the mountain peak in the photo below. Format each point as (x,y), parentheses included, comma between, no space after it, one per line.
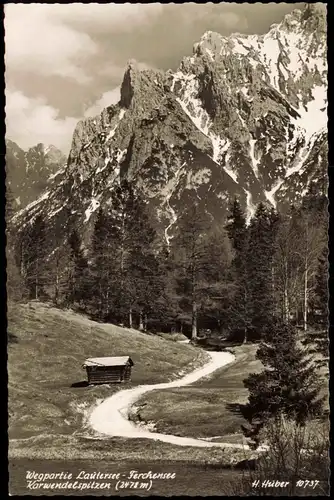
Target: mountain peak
(44,149)
(133,65)
(210,35)
(138,79)
(209,45)
(241,117)
(50,149)
(314,16)
(29,171)
(314,9)
(128,83)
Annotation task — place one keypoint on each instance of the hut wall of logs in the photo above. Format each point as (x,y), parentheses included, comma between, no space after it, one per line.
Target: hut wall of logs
(108,370)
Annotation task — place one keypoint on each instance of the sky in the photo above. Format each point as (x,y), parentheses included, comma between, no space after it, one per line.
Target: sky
(65,62)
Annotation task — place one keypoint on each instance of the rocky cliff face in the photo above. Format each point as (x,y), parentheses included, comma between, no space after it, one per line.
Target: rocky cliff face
(29,173)
(244,116)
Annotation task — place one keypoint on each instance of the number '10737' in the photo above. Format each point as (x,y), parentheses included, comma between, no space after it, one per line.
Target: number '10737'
(304,483)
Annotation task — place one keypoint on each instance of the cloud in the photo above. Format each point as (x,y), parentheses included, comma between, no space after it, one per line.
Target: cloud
(74,54)
(56,39)
(37,42)
(111,71)
(117,72)
(227,16)
(233,20)
(31,120)
(107,99)
(109,17)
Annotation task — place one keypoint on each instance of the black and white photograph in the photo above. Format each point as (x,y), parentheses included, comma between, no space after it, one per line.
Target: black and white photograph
(167,249)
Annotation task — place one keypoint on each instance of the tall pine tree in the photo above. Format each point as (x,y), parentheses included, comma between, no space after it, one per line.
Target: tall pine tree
(167,314)
(289,384)
(200,256)
(14,281)
(215,283)
(189,255)
(144,264)
(318,339)
(103,265)
(123,259)
(288,266)
(262,231)
(75,291)
(34,249)
(122,203)
(239,313)
(59,258)
(313,220)
(321,290)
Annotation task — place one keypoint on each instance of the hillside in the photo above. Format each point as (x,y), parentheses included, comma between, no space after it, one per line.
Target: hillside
(46,350)
(29,173)
(222,393)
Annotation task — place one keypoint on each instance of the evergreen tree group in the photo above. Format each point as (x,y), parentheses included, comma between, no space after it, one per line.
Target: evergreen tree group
(233,279)
(265,282)
(289,385)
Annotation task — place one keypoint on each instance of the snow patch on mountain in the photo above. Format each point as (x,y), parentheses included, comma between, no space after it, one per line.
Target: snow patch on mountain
(250,207)
(180,77)
(219,146)
(120,155)
(102,166)
(113,130)
(241,119)
(94,205)
(196,179)
(111,133)
(271,54)
(244,90)
(208,51)
(30,208)
(270,195)
(238,48)
(54,212)
(314,117)
(44,196)
(192,106)
(284,51)
(53,176)
(173,220)
(255,161)
(167,193)
(223,196)
(228,168)
(302,156)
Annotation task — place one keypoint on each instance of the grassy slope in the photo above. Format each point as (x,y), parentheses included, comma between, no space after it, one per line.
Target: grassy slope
(47,415)
(176,412)
(45,354)
(188,416)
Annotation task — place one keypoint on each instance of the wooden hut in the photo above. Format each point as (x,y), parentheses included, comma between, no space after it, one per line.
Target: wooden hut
(108,370)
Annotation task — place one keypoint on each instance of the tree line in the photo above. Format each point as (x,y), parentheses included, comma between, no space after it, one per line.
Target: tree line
(231,277)
(251,282)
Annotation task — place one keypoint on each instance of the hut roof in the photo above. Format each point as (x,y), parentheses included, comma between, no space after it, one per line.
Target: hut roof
(109,361)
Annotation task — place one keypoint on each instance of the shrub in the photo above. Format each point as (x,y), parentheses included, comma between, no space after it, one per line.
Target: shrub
(296,455)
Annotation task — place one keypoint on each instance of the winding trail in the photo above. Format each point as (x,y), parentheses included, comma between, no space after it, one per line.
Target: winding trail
(111,416)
